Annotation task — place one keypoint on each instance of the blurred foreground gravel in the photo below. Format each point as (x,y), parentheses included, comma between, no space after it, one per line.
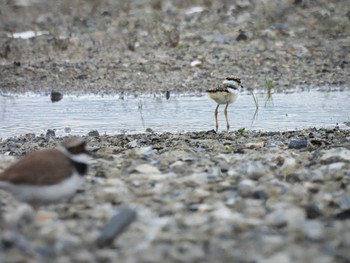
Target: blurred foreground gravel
(198,197)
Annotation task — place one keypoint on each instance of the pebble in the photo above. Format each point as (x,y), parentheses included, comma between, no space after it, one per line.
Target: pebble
(297,143)
(116,225)
(335,155)
(56,96)
(50,133)
(246,187)
(94,133)
(196,63)
(313,230)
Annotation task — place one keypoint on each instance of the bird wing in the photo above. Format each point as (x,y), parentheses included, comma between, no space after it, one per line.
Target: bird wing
(39,168)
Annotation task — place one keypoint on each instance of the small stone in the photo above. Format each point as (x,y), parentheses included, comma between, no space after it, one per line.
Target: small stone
(66,243)
(196,63)
(313,211)
(242,36)
(132,144)
(50,133)
(297,144)
(144,152)
(67,130)
(94,133)
(108,194)
(256,169)
(313,230)
(167,94)
(255,145)
(312,187)
(333,155)
(260,194)
(55,96)
(116,225)
(344,202)
(223,212)
(289,166)
(146,169)
(289,216)
(343,215)
(246,187)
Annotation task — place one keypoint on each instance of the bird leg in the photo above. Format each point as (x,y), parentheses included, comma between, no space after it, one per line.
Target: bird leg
(225,112)
(216,118)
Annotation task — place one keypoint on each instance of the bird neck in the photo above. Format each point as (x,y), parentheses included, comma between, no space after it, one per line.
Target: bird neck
(79,161)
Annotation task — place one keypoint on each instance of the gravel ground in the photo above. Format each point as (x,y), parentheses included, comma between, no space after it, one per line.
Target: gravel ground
(199,196)
(243,196)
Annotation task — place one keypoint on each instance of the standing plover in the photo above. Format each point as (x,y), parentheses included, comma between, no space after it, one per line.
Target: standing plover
(49,175)
(227,93)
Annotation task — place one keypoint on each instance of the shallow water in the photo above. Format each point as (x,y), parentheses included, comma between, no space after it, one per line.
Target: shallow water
(111,115)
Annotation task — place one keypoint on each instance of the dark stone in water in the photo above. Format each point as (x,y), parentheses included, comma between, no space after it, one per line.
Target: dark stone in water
(297,143)
(167,94)
(56,96)
(94,133)
(116,225)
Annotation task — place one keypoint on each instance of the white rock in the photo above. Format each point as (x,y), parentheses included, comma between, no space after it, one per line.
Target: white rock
(293,217)
(246,187)
(144,151)
(335,155)
(108,194)
(289,166)
(146,169)
(177,164)
(132,144)
(223,212)
(256,169)
(313,229)
(196,63)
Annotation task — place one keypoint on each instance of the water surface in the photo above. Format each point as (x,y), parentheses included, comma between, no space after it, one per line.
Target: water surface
(36,113)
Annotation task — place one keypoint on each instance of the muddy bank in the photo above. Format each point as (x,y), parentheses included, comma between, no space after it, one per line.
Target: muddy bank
(112,47)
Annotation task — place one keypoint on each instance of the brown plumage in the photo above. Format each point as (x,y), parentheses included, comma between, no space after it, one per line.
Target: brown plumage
(45,169)
(48,175)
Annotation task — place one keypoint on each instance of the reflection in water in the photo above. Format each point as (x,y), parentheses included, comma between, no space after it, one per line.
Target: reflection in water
(79,115)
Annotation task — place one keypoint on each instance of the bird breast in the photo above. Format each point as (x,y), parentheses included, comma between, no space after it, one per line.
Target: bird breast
(223,97)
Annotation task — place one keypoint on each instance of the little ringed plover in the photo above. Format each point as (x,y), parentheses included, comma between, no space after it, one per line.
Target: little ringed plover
(49,175)
(226,93)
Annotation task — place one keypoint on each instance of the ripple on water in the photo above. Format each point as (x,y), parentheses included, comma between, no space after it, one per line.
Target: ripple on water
(36,114)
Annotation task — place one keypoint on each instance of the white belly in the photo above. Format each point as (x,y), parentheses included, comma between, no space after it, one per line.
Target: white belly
(223,97)
(45,194)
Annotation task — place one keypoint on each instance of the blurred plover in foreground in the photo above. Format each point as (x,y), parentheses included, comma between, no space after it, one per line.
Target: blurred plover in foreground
(49,175)
(226,93)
